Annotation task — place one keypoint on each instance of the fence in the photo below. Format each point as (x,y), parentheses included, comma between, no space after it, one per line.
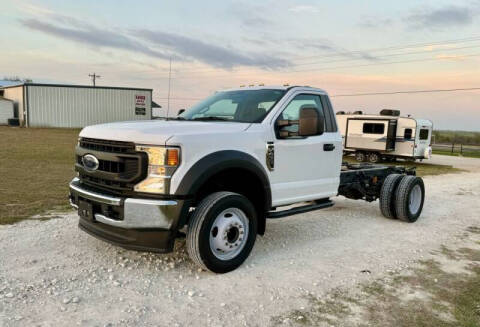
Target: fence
(464,150)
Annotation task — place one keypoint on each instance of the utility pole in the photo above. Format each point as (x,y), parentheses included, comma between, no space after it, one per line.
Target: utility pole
(94,77)
(169,83)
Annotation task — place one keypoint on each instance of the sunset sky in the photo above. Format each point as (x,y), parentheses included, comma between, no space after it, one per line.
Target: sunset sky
(344,47)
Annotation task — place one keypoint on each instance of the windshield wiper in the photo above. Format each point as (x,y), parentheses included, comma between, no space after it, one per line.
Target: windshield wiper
(211,118)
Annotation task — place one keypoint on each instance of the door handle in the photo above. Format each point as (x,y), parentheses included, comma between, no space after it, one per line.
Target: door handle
(328,147)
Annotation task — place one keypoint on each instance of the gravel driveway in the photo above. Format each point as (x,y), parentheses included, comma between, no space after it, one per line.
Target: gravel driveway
(52,274)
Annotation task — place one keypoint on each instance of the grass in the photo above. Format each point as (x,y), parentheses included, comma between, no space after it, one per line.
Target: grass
(457,154)
(36,166)
(423,168)
(427,296)
(458,137)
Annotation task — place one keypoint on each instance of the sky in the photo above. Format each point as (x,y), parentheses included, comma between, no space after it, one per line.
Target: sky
(343,47)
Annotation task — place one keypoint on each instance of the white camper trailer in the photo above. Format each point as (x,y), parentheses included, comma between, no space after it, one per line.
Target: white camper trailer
(385,136)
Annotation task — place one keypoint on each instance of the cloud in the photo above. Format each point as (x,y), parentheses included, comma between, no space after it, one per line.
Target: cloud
(251,16)
(444,17)
(87,34)
(211,54)
(376,22)
(153,43)
(330,49)
(453,57)
(304,9)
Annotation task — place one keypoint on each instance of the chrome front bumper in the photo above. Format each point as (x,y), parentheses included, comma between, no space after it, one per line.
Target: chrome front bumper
(137,213)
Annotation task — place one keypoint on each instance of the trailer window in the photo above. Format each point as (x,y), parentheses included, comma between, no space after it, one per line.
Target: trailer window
(373,128)
(408,134)
(423,134)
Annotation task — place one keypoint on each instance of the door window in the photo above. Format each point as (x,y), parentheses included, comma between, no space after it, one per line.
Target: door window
(292,111)
(408,134)
(423,134)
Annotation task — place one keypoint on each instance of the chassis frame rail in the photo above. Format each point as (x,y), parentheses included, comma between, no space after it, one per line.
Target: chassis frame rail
(364,181)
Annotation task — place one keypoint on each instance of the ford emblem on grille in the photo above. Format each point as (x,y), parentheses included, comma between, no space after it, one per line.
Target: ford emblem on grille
(90,162)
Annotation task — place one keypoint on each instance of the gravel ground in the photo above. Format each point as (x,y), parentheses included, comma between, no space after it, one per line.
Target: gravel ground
(52,274)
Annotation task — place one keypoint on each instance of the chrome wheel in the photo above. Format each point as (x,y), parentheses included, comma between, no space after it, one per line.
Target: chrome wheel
(229,233)
(415,199)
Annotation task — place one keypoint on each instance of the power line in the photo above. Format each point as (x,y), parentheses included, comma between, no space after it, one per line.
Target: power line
(407,92)
(346,53)
(471,39)
(391,55)
(369,94)
(337,67)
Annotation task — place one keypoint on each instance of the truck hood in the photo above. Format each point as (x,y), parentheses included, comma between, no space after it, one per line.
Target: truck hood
(157,132)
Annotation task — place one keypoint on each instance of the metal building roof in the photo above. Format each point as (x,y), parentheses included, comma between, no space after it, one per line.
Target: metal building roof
(77,86)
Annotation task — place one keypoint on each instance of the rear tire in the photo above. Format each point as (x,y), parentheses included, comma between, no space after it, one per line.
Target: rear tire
(387,195)
(409,198)
(222,232)
(360,156)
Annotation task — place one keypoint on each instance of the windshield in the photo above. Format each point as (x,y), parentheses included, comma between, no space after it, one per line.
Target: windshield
(247,106)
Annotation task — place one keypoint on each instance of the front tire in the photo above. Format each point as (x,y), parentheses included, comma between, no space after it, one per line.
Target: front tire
(222,232)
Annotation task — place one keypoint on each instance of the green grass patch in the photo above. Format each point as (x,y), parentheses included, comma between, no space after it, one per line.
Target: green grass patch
(36,166)
(457,154)
(458,137)
(423,168)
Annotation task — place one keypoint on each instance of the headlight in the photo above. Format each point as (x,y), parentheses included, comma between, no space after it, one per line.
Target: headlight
(162,163)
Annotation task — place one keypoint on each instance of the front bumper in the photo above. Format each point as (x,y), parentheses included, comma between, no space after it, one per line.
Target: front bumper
(140,224)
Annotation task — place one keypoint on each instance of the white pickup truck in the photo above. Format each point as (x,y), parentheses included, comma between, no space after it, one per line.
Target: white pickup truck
(220,169)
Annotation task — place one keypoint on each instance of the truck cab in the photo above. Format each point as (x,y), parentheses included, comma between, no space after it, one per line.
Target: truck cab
(217,170)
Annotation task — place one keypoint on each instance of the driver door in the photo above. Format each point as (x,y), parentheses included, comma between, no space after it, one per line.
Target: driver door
(306,168)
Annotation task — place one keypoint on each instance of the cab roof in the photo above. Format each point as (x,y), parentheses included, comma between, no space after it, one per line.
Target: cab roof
(276,87)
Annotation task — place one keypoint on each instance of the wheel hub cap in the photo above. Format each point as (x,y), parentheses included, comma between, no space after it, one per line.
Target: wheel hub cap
(228,234)
(415,199)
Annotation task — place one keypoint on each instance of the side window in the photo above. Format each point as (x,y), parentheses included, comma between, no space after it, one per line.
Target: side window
(373,128)
(408,134)
(423,134)
(292,111)
(330,120)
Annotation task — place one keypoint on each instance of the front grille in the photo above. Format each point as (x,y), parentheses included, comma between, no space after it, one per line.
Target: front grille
(106,184)
(120,166)
(107,146)
(126,168)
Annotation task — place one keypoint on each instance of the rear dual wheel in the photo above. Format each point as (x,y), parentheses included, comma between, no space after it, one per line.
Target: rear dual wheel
(409,198)
(402,197)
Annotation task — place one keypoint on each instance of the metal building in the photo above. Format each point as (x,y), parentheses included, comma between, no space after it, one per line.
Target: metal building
(57,105)
(6,110)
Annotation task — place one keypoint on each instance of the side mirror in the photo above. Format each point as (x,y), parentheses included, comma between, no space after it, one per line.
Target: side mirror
(310,122)
(181,111)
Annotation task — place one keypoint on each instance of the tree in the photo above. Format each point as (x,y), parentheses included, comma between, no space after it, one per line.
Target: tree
(17,79)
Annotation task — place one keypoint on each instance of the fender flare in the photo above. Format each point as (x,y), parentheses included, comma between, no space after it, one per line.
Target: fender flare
(216,162)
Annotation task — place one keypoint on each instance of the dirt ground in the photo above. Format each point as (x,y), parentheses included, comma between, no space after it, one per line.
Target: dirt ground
(52,274)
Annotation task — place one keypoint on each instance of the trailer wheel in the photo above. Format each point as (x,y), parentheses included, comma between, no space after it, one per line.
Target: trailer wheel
(387,195)
(222,232)
(373,157)
(409,198)
(360,156)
